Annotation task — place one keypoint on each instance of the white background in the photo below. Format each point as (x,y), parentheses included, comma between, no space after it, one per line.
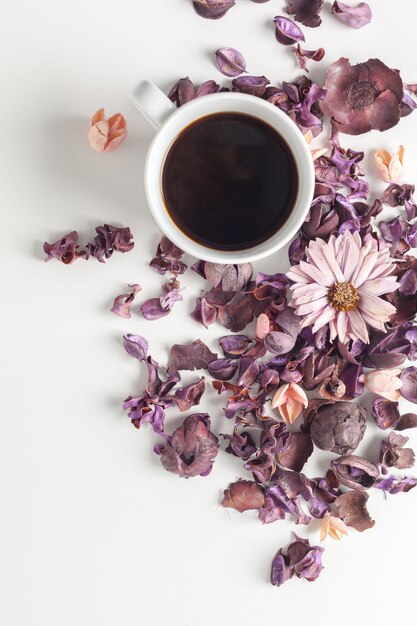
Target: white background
(93,530)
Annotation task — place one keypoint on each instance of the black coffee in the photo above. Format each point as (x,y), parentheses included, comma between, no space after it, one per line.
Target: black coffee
(229,181)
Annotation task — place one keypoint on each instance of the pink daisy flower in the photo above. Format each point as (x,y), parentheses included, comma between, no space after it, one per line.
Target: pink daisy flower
(340,283)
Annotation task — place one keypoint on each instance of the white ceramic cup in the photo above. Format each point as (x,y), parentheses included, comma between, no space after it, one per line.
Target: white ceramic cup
(169,123)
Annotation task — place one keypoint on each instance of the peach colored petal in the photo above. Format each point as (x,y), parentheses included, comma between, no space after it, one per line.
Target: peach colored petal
(262,326)
(390,166)
(289,399)
(385,383)
(332,526)
(315,152)
(106,135)
(279,396)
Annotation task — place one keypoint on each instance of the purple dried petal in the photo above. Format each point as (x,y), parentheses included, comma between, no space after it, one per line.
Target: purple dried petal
(355,472)
(355,17)
(213,9)
(302,56)
(248,371)
(286,31)
(409,420)
(351,508)
(244,495)
(280,571)
(191,449)
(207,88)
(238,313)
(190,395)
(152,309)
(121,305)
(204,312)
(226,277)
(279,343)
(269,380)
(394,485)
(409,384)
(297,450)
(393,453)
(230,62)
(252,85)
(110,239)
(182,92)
(304,559)
(222,369)
(64,250)
(168,258)
(136,346)
(155,308)
(234,345)
(194,356)
(408,283)
(385,413)
(305,11)
(241,444)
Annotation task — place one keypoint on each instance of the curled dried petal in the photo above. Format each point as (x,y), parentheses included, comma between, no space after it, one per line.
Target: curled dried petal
(355,472)
(351,508)
(286,31)
(194,356)
(289,399)
(296,451)
(122,304)
(136,346)
(213,9)
(355,17)
(252,85)
(332,526)
(244,495)
(409,384)
(393,453)
(303,55)
(385,413)
(306,11)
(390,167)
(385,383)
(230,62)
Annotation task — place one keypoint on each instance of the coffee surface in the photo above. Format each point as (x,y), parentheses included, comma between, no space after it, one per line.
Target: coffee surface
(229,181)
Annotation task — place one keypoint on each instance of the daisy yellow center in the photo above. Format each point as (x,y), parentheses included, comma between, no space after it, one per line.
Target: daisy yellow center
(343,296)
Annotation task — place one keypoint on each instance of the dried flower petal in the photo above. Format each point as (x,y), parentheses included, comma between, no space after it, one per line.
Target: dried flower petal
(393,485)
(306,11)
(110,239)
(64,250)
(337,427)
(290,399)
(191,449)
(355,17)
(190,395)
(182,92)
(409,386)
(362,97)
(155,308)
(286,31)
(355,472)
(409,420)
(302,56)
(213,9)
(296,451)
(385,413)
(384,382)
(168,258)
(136,346)
(222,369)
(332,526)
(252,85)
(121,305)
(393,453)
(351,508)
(194,356)
(390,166)
(230,62)
(106,135)
(234,345)
(244,495)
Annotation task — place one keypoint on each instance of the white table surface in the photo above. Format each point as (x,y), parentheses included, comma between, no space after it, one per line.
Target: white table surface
(93,531)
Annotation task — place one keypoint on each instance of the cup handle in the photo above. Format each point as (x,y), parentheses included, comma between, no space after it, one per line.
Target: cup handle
(152,103)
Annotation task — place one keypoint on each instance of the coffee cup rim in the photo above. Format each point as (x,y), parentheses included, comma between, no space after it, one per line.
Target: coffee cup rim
(209,105)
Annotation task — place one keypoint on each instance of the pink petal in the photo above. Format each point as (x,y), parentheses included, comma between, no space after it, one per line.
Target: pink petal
(326,280)
(317,317)
(364,268)
(279,397)
(326,315)
(298,276)
(349,254)
(379,286)
(310,307)
(98,135)
(341,325)
(375,306)
(262,327)
(358,325)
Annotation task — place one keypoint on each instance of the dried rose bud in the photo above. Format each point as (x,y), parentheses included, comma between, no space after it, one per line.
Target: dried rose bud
(106,135)
(332,526)
(390,166)
(191,449)
(213,9)
(355,472)
(338,427)
(393,453)
(243,495)
(351,508)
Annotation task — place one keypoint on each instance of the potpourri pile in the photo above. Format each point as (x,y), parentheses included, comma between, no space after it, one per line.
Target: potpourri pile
(340,321)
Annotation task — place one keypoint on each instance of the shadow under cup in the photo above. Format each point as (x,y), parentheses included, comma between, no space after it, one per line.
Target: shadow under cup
(229,181)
